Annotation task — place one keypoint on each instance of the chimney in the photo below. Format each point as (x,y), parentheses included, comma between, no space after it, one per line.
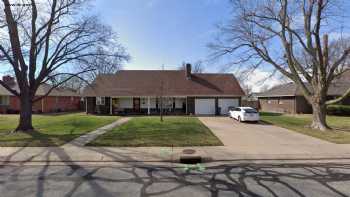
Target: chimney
(188,71)
(8,80)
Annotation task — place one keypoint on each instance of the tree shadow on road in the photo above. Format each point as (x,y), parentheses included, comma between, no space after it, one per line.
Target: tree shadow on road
(230,180)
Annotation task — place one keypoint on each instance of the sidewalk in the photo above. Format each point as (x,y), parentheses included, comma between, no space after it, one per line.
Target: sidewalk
(146,154)
(85,139)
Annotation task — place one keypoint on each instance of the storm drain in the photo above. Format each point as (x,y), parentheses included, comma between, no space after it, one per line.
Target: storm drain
(189,151)
(191,159)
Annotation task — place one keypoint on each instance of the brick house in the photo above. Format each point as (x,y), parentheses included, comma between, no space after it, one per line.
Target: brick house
(59,100)
(288,98)
(179,91)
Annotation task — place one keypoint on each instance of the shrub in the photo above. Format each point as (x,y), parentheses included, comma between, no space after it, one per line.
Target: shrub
(340,110)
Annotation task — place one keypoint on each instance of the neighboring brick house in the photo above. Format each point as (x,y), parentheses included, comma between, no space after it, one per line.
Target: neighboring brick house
(59,100)
(180,92)
(288,98)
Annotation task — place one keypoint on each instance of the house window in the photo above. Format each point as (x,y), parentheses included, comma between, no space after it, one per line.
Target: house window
(4,100)
(269,101)
(100,100)
(143,101)
(71,99)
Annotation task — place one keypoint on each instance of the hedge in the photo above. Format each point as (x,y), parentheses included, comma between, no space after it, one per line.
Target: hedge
(338,110)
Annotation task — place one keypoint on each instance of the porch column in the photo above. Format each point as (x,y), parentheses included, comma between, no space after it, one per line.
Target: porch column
(110,106)
(217,112)
(148,105)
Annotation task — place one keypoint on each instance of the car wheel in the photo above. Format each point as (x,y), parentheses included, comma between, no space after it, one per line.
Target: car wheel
(239,119)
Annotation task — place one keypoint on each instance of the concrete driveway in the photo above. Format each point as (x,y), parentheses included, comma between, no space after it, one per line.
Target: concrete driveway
(257,138)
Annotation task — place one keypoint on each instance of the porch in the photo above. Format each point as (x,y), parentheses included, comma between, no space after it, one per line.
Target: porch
(136,105)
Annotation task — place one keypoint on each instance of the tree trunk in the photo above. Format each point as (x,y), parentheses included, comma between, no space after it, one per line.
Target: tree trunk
(319,116)
(25,119)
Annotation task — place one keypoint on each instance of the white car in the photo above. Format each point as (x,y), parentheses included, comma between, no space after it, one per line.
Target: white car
(244,114)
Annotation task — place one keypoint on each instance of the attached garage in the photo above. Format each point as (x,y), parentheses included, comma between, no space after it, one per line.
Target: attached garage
(205,106)
(224,104)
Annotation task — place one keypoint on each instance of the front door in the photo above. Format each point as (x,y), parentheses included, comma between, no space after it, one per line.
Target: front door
(136,102)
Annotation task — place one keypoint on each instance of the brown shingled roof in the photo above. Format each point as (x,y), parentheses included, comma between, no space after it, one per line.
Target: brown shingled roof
(42,90)
(339,87)
(175,83)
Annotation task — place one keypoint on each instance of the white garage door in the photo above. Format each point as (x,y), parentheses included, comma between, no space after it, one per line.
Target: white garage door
(204,106)
(224,104)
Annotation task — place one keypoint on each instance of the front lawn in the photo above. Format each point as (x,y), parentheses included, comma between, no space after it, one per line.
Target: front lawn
(149,131)
(51,130)
(300,123)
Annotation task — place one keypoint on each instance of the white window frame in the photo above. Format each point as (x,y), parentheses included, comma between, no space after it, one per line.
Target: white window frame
(7,100)
(100,100)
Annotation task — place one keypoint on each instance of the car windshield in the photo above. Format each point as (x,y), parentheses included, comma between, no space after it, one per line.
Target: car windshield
(250,111)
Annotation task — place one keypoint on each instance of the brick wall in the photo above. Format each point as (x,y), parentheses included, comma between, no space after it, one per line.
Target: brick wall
(253,104)
(290,104)
(303,107)
(58,104)
(278,104)
(346,101)
(46,105)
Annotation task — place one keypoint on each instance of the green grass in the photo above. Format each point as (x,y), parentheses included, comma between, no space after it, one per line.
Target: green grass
(339,134)
(51,130)
(149,131)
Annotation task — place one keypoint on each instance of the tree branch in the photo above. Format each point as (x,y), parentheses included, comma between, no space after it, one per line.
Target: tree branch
(7,87)
(339,99)
(60,83)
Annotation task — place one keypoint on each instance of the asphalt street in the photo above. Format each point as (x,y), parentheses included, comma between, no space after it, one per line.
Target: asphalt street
(222,180)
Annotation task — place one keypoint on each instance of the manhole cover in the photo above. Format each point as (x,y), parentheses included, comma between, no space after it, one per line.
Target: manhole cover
(188,151)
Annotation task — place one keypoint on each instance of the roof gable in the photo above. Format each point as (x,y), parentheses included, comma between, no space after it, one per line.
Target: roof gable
(338,87)
(42,90)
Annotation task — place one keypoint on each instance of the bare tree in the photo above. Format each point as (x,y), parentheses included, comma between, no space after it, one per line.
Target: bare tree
(74,83)
(248,90)
(41,40)
(197,67)
(264,88)
(105,65)
(96,65)
(292,37)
